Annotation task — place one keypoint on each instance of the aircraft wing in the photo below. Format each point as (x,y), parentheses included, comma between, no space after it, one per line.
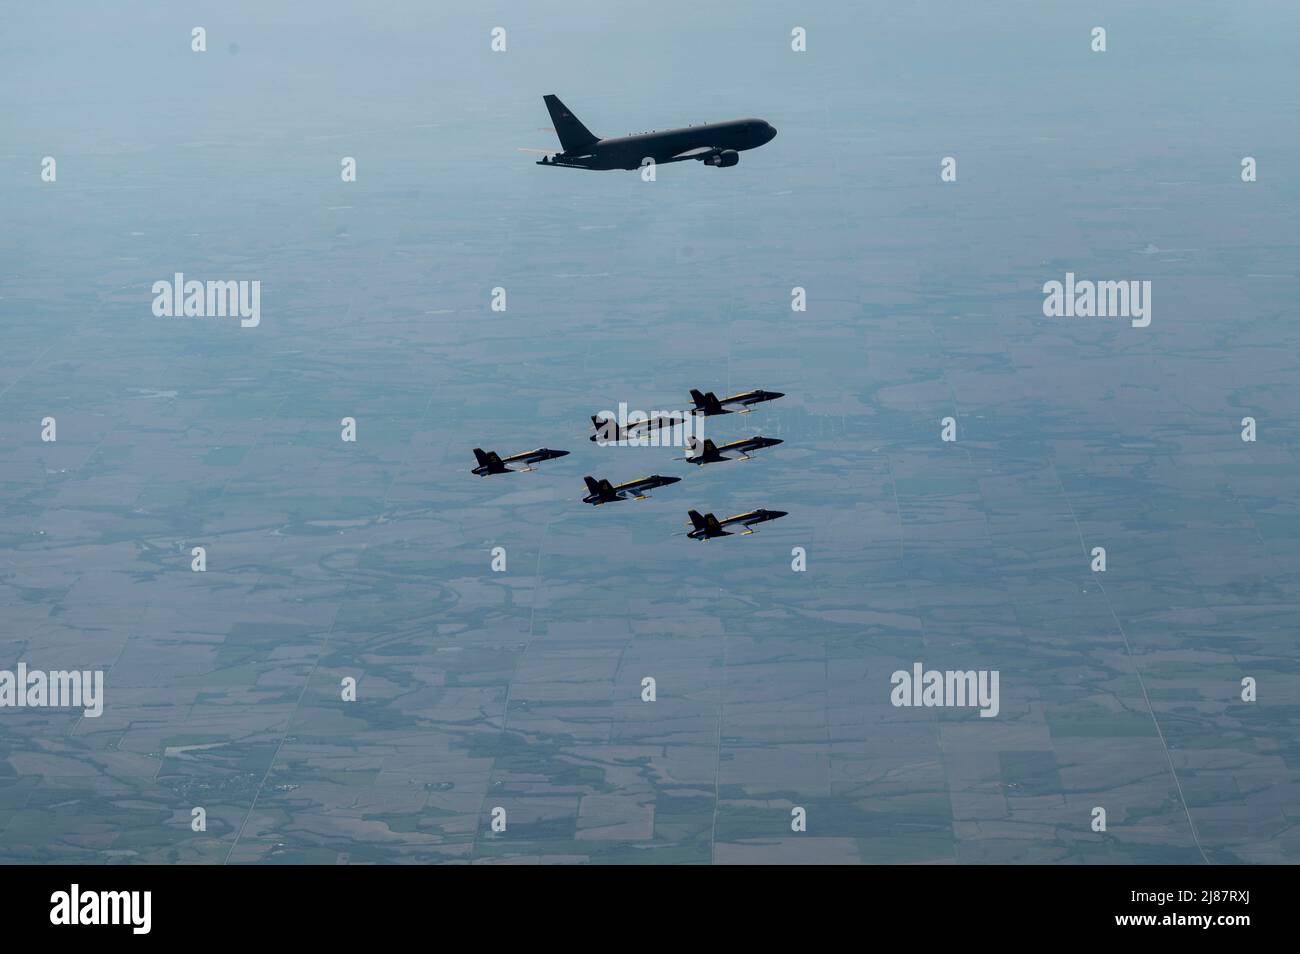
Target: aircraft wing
(744,519)
(531,457)
(702,152)
(636,487)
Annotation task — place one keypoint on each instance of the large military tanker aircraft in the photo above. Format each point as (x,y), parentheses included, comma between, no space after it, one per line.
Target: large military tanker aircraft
(714,144)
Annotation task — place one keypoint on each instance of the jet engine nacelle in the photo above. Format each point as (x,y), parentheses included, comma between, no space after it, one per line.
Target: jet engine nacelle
(728,157)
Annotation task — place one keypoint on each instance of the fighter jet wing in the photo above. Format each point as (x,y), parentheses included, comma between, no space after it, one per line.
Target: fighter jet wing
(637,488)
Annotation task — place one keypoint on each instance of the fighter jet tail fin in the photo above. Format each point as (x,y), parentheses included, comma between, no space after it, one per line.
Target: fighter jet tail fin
(699,521)
(710,447)
(605,431)
(707,402)
(574,136)
(592,486)
(481,457)
(711,522)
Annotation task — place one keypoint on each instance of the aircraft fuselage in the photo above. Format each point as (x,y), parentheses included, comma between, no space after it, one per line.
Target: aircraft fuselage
(629,152)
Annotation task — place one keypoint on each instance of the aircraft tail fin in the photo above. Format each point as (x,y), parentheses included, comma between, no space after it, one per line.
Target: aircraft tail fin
(707,402)
(592,486)
(480,456)
(574,136)
(711,522)
(710,447)
(606,430)
(700,522)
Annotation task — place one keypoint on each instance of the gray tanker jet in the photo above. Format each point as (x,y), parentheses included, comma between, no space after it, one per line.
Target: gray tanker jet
(710,453)
(490,463)
(714,144)
(603,492)
(708,526)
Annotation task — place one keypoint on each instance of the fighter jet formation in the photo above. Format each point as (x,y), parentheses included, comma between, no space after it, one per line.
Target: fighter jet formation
(714,144)
(601,491)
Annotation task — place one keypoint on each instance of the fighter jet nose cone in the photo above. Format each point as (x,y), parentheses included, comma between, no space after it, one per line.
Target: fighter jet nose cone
(778,513)
(559,453)
(775,441)
(773,395)
(771,132)
(671,480)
